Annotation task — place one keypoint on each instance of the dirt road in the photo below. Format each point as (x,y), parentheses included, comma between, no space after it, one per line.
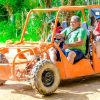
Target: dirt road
(78,89)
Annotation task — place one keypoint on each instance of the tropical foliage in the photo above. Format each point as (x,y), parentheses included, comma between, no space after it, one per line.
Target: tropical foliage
(13,14)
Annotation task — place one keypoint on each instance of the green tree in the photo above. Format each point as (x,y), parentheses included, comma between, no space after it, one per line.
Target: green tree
(13,14)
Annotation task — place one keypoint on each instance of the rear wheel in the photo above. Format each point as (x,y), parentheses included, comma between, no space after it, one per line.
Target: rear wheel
(46,77)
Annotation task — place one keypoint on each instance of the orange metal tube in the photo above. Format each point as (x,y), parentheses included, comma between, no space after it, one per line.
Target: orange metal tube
(13,64)
(64,8)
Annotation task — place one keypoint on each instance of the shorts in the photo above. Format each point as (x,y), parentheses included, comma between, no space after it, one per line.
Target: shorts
(79,54)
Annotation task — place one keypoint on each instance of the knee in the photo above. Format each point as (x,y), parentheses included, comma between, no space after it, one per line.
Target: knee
(52,50)
(72,54)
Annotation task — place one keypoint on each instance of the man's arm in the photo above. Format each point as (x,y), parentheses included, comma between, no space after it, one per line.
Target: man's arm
(81,37)
(60,35)
(79,42)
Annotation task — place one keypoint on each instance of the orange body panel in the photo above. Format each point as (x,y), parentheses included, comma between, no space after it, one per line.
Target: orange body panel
(5,71)
(61,70)
(4,50)
(81,68)
(96,63)
(68,70)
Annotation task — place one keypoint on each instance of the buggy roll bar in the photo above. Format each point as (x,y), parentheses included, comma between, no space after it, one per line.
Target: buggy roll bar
(62,8)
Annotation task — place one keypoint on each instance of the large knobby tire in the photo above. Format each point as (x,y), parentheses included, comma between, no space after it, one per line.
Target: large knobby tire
(46,77)
(2,82)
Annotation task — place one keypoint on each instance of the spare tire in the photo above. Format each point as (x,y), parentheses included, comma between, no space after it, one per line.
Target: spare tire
(46,77)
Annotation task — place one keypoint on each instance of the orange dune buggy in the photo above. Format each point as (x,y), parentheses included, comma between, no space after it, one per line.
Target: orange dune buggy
(29,62)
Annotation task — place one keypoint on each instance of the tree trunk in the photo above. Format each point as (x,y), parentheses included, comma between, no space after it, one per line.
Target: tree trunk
(48,3)
(62,2)
(70,13)
(9,9)
(71,2)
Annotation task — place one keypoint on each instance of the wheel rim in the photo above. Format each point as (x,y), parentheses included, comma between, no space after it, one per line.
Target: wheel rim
(48,78)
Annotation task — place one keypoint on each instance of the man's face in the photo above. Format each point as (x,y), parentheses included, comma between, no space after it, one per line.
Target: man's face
(74,23)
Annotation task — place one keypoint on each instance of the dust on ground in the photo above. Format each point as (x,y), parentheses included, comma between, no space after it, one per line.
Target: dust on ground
(77,89)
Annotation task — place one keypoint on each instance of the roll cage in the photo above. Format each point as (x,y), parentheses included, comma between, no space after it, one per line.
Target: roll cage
(59,9)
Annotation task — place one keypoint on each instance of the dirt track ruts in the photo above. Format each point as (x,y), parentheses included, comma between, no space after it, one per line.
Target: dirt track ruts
(77,89)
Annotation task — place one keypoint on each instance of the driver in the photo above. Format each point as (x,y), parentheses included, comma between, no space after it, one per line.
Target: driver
(74,46)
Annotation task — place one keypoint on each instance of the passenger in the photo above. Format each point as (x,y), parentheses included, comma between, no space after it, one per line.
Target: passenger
(75,43)
(58,30)
(53,53)
(97,29)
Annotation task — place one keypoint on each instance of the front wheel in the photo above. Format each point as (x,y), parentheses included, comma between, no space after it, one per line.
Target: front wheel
(46,77)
